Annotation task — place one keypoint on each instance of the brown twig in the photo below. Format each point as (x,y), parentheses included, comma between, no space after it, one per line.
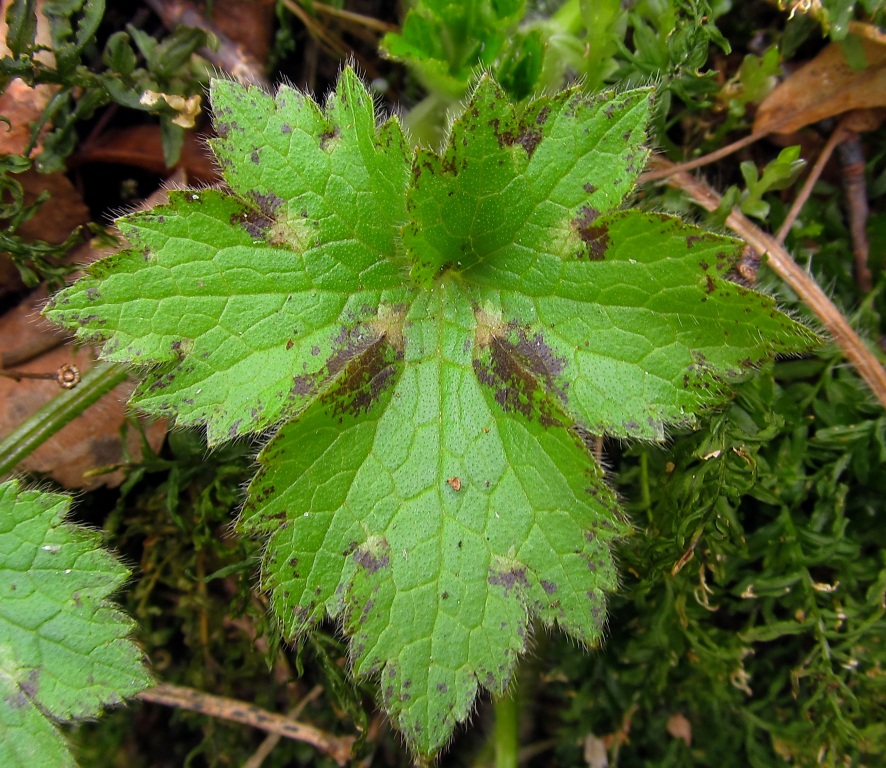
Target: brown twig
(712,157)
(67,376)
(358,19)
(852,165)
(273,739)
(316,30)
(800,281)
(835,138)
(337,747)
(331,43)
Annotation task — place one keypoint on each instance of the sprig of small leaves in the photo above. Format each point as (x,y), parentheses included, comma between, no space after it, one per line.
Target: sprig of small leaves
(82,87)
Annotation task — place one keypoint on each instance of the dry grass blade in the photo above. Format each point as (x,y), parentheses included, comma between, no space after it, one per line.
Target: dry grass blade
(356,19)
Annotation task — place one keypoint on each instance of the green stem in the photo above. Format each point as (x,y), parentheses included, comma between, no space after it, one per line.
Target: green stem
(57,413)
(507,721)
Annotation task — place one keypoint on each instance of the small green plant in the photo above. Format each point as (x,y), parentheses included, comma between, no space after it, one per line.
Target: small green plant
(437,338)
(446,44)
(64,651)
(133,70)
(781,173)
(167,71)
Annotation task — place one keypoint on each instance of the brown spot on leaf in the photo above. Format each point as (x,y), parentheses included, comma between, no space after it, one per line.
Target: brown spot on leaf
(509,578)
(268,203)
(328,136)
(523,375)
(370,560)
(364,368)
(527,137)
(254,222)
(594,236)
(303,386)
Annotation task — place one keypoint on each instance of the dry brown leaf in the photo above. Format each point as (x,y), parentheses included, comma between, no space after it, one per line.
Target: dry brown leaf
(680,728)
(20,103)
(92,440)
(62,213)
(53,222)
(825,87)
(247,22)
(141,146)
(23,106)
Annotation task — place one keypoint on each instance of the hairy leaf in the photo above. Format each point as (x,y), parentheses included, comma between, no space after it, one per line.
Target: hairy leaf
(64,651)
(440,337)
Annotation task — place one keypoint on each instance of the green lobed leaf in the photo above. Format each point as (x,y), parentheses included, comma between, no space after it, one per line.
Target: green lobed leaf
(440,338)
(433,523)
(251,304)
(64,650)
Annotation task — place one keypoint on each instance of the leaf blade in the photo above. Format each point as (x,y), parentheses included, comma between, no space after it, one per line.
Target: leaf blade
(432,550)
(251,302)
(64,648)
(638,327)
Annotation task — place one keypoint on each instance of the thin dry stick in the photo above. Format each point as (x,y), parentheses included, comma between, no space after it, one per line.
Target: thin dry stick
(316,30)
(273,739)
(852,164)
(801,282)
(356,18)
(711,157)
(835,138)
(337,747)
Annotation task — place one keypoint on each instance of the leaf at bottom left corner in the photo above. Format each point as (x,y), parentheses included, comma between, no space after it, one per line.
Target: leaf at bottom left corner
(64,647)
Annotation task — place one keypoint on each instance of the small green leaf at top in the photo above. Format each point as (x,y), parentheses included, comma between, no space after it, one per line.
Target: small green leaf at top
(437,339)
(64,648)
